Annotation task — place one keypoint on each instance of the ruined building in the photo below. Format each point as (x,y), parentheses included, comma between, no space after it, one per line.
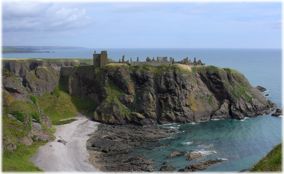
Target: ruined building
(100,60)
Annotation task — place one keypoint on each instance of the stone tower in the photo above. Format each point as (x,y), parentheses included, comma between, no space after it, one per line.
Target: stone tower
(100,60)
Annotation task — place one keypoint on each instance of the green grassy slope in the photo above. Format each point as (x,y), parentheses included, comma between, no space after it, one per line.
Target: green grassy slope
(271,162)
(57,106)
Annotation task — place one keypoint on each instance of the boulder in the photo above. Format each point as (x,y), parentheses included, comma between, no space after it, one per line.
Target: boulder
(277,112)
(222,112)
(36,126)
(261,88)
(175,154)
(193,155)
(26,141)
(8,144)
(62,141)
(166,167)
(201,165)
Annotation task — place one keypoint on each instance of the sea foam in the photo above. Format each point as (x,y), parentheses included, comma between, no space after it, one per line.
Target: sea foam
(187,143)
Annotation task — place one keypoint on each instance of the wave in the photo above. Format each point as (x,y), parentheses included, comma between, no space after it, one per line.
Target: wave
(204,146)
(244,119)
(187,143)
(205,152)
(223,159)
(173,127)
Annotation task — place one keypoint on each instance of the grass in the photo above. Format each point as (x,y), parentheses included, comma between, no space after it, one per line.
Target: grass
(184,68)
(109,65)
(13,129)
(84,106)
(66,121)
(240,90)
(112,100)
(19,160)
(238,86)
(113,97)
(57,106)
(271,162)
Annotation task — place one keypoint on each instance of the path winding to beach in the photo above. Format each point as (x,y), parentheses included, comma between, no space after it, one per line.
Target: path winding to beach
(70,154)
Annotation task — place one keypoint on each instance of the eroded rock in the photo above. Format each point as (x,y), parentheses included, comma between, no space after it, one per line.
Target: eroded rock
(166,167)
(201,165)
(277,112)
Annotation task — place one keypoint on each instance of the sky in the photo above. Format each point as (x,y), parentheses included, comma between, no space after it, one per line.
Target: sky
(142,25)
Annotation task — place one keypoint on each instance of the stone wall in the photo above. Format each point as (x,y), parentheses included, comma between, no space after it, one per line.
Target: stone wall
(152,63)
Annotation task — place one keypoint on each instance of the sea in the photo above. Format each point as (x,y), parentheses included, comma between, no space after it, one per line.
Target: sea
(240,143)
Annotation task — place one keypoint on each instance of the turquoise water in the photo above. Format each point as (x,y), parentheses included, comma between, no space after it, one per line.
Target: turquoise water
(242,143)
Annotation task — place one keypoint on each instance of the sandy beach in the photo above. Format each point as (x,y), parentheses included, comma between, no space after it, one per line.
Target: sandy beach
(70,154)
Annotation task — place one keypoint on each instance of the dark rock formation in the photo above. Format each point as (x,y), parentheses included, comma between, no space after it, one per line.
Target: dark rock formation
(261,88)
(32,76)
(277,112)
(111,147)
(200,165)
(142,94)
(193,155)
(148,95)
(166,167)
(175,154)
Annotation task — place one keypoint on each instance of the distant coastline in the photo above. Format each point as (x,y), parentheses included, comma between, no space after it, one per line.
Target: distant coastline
(33,49)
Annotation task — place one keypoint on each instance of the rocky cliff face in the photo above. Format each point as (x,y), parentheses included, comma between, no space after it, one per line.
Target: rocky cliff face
(25,120)
(146,94)
(32,76)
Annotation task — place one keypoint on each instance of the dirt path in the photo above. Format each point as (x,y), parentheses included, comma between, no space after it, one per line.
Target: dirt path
(70,154)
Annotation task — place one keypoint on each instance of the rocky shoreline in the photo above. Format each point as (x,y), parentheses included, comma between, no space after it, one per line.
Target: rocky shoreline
(112,148)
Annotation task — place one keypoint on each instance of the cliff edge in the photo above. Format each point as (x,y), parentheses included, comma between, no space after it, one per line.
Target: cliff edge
(170,93)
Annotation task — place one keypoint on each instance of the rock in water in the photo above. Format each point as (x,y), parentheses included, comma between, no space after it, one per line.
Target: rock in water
(261,88)
(193,155)
(277,112)
(175,154)
(112,146)
(201,165)
(166,167)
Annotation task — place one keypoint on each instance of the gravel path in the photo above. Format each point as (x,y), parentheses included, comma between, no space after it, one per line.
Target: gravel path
(70,154)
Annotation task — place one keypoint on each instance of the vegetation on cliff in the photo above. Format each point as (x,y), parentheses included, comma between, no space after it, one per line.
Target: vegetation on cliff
(30,107)
(24,129)
(36,96)
(168,93)
(271,162)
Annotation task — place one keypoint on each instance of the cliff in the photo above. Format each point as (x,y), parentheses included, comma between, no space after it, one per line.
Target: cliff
(177,93)
(32,102)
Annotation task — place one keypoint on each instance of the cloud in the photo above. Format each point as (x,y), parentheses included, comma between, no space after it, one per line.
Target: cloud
(28,16)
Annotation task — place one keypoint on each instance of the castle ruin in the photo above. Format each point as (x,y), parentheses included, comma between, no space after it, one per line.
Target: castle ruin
(100,60)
